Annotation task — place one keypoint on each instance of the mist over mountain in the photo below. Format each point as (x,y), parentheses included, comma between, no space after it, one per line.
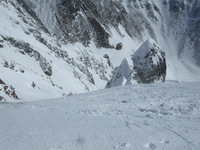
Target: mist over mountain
(52,48)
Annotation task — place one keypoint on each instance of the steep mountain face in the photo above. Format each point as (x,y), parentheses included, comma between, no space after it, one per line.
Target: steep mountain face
(83,20)
(49,48)
(35,66)
(171,23)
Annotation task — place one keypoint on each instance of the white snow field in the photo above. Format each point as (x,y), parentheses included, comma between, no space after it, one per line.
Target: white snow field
(164,116)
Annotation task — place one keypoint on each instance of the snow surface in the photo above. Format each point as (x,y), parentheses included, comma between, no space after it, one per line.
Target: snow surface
(163,116)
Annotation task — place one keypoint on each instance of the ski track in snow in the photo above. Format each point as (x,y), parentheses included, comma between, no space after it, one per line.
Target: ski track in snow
(136,117)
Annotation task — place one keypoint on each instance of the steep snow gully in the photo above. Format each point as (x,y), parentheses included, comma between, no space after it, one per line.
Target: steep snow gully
(164,116)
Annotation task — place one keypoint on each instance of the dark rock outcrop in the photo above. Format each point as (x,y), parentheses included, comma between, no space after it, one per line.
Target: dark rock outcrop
(88,20)
(81,23)
(108,59)
(7,90)
(2,98)
(1,82)
(149,63)
(149,66)
(26,49)
(119,46)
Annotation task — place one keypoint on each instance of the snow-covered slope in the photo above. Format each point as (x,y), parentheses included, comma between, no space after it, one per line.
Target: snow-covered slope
(50,48)
(35,66)
(134,117)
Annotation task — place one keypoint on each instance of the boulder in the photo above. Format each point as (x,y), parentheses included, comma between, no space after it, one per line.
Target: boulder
(149,63)
(119,46)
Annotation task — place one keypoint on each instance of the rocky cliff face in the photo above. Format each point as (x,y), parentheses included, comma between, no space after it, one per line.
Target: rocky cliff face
(88,20)
(58,43)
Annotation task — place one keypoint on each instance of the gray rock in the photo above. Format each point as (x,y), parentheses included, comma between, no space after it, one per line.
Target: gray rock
(149,63)
(108,59)
(1,82)
(45,65)
(119,46)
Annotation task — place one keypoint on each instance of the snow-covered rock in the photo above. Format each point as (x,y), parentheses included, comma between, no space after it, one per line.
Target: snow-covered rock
(123,75)
(149,63)
(149,66)
(7,91)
